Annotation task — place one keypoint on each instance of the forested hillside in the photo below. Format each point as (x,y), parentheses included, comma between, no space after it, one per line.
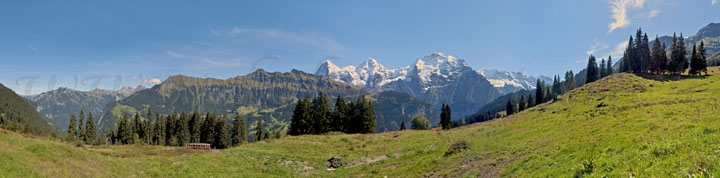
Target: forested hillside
(17,114)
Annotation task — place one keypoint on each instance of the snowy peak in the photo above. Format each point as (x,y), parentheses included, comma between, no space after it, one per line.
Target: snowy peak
(439,65)
(508,81)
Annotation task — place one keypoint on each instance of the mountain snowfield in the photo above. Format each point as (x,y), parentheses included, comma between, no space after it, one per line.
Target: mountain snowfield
(372,75)
(510,81)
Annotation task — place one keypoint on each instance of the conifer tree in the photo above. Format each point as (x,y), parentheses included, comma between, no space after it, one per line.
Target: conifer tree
(592,70)
(609,69)
(522,104)
(655,56)
(170,137)
(298,121)
(601,69)
(510,108)
(239,136)
(445,117)
(341,114)
(539,92)
(321,114)
(682,54)
(159,135)
(90,131)
(703,59)
(222,132)
(530,101)
(569,81)
(183,132)
(72,128)
(402,125)
(259,130)
(644,54)
(367,116)
(81,126)
(139,126)
(694,62)
(195,125)
(148,127)
(208,130)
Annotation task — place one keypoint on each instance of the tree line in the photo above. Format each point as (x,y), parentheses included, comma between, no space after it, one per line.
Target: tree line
(83,130)
(640,58)
(543,93)
(316,117)
(173,129)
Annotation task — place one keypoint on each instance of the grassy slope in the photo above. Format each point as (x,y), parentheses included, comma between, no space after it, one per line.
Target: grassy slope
(667,130)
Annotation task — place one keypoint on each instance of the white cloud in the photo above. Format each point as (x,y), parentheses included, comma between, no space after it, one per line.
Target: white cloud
(33,48)
(713,2)
(302,38)
(653,13)
(619,50)
(597,47)
(153,81)
(619,9)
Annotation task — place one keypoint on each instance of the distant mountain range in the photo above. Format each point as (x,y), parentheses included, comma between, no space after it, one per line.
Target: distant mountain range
(509,82)
(258,95)
(57,105)
(436,79)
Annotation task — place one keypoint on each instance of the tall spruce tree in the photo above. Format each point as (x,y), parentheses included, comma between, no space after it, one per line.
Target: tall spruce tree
(90,131)
(569,81)
(195,125)
(522,104)
(170,136)
(530,101)
(694,62)
(159,135)
(682,54)
(445,117)
(592,70)
(644,54)
(655,56)
(138,125)
(239,129)
(148,127)
(298,120)
(539,92)
(402,125)
(341,117)
(183,129)
(321,114)
(81,126)
(609,69)
(72,129)
(703,58)
(510,107)
(367,112)
(208,131)
(601,69)
(222,132)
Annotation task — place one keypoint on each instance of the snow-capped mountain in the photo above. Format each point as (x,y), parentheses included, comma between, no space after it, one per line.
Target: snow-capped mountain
(435,79)
(509,82)
(370,74)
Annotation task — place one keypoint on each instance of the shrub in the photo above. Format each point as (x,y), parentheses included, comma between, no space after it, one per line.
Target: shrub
(419,122)
(456,147)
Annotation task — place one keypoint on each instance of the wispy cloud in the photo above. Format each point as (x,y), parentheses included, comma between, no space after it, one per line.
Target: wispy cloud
(597,47)
(619,50)
(33,48)
(713,2)
(619,9)
(653,13)
(302,38)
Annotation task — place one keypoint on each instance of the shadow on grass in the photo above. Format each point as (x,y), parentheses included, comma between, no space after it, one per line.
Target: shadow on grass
(658,77)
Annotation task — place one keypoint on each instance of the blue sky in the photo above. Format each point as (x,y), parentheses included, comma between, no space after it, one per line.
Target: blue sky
(92,44)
